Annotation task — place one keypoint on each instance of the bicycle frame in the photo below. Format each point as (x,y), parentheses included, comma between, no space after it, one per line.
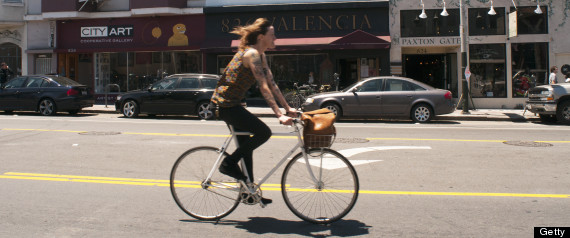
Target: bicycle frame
(296,132)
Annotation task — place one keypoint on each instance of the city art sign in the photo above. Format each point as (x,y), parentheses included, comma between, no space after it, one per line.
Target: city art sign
(430,41)
(131,34)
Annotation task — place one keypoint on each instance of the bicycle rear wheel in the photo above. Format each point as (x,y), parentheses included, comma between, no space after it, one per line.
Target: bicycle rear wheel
(205,201)
(327,199)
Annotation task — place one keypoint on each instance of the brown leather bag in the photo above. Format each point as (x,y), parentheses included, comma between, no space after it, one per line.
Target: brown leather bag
(318,130)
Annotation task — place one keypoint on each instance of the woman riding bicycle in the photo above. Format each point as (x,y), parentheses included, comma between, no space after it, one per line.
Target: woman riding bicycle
(248,66)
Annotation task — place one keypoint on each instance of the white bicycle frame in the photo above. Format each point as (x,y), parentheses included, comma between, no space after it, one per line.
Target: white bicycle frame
(252,189)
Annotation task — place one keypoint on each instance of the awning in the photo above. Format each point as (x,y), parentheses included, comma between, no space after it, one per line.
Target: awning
(355,40)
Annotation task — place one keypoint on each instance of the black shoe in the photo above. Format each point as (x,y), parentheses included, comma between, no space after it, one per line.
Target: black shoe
(232,170)
(266,201)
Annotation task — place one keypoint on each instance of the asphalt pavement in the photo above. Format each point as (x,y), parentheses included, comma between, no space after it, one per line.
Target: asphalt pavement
(514,115)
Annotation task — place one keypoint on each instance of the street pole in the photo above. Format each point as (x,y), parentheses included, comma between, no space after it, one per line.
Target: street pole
(464,62)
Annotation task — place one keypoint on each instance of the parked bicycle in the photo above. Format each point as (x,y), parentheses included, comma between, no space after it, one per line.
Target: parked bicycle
(312,191)
(297,97)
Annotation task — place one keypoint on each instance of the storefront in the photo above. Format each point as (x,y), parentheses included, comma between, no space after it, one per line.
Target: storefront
(350,39)
(11,49)
(123,54)
(503,64)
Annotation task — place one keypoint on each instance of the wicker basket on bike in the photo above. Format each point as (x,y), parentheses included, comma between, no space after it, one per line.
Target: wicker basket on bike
(318,128)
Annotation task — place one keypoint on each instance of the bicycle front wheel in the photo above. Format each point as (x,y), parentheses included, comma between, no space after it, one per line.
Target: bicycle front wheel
(320,189)
(204,200)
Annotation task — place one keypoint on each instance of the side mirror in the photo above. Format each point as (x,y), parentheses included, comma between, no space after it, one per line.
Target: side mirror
(354,90)
(149,89)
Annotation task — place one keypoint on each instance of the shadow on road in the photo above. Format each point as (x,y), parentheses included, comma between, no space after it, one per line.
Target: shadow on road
(270,225)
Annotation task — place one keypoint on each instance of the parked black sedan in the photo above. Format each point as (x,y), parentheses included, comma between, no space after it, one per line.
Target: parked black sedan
(178,94)
(385,97)
(47,94)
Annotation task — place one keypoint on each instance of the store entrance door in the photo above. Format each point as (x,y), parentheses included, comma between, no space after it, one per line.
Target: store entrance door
(348,72)
(428,69)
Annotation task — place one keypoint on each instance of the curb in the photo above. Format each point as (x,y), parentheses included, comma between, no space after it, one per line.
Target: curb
(513,118)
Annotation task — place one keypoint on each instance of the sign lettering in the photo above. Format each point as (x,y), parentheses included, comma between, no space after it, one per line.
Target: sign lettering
(107,31)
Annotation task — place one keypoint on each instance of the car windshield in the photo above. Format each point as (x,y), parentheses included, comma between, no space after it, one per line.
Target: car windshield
(167,83)
(65,81)
(351,86)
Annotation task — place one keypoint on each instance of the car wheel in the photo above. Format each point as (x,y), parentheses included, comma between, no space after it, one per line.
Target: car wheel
(205,110)
(47,107)
(333,107)
(563,112)
(422,113)
(130,109)
(544,118)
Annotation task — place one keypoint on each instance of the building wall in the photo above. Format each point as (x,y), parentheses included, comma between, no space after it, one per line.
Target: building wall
(557,39)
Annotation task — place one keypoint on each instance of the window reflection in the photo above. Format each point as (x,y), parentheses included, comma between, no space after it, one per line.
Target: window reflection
(481,23)
(528,22)
(434,25)
(138,70)
(530,66)
(487,66)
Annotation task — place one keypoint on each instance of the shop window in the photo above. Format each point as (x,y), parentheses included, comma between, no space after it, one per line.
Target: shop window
(481,23)
(487,66)
(528,22)
(411,25)
(138,70)
(530,66)
(290,69)
(11,54)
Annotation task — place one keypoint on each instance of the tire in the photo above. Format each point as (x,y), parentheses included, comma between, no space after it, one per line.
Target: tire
(422,113)
(544,118)
(205,110)
(130,109)
(196,199)
(329,200)
(333,107)
(294,100)
(47,107)
(563,112)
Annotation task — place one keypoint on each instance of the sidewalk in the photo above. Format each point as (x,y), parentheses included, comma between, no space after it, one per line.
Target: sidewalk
(515,115)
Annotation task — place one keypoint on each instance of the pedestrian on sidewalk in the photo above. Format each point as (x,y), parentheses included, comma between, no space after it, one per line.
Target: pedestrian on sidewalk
(5,74)
(553,79)
(249,66)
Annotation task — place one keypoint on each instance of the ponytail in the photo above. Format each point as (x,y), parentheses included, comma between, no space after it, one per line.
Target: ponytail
(250,32)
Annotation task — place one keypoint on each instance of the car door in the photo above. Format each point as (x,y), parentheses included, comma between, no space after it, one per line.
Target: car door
(365,99)
(397,97)
(157,100)
(184,98)
(9,94)
(30,93)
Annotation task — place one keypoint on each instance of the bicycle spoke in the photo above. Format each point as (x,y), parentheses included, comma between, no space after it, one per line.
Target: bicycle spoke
(327,197)
(210,201)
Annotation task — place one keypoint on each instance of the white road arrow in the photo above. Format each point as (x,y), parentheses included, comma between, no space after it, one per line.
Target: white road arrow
(336,164)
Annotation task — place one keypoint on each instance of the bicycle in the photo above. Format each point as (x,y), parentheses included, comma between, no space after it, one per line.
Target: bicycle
(310,191)
(297,97)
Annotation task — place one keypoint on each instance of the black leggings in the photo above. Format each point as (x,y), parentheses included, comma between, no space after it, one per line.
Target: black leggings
(242,120)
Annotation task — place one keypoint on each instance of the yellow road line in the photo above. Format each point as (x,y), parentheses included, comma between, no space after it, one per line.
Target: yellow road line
(278,137)
(266,187)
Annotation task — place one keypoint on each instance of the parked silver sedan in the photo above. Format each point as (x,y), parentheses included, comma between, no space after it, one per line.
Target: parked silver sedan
(385,97)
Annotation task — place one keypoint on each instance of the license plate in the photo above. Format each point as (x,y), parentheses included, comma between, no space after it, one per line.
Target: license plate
(83,92)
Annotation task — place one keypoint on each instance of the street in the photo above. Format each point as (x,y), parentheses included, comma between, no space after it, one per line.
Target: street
(102,175)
